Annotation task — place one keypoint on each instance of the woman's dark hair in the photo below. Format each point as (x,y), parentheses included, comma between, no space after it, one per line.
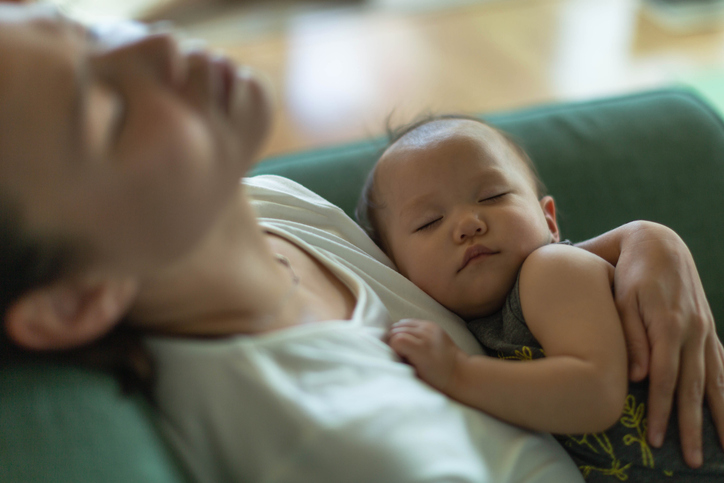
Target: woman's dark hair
(368,203)
(28,262)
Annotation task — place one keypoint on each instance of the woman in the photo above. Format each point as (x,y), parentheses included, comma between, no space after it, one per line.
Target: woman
(119,174)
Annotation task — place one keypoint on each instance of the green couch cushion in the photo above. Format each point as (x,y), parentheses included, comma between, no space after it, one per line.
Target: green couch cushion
(656,156)
(63,424)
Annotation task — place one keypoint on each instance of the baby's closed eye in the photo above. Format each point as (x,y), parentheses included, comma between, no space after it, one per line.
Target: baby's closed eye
(429,224)
(493,199)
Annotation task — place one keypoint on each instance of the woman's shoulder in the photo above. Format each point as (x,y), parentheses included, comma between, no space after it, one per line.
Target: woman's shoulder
(276,189)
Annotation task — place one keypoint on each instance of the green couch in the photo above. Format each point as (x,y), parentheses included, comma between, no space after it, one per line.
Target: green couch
(656,155)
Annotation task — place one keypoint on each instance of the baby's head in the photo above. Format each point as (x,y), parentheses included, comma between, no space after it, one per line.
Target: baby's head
(457,206)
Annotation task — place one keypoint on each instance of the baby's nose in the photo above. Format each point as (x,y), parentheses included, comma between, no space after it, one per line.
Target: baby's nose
(469,226)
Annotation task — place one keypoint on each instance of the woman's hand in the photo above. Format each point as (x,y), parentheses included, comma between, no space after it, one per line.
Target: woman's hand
(427,348)
(670,333)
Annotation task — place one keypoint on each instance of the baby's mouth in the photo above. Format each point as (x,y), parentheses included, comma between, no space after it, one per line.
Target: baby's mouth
(476,252)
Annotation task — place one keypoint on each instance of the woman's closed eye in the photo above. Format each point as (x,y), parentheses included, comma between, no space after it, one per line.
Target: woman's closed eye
(118,121)
(428,225)
(106,115)
(116,115)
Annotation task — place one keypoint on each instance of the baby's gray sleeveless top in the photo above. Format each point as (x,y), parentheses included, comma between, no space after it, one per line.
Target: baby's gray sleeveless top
(622,452)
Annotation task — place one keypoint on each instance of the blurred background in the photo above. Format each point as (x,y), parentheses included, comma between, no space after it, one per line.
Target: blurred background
(340,68)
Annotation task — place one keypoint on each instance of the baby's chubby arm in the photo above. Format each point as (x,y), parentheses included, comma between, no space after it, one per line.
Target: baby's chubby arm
(581,384)
(669,327)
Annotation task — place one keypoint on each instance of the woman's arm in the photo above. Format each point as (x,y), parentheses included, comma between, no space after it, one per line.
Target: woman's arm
(669,328)
(580,386)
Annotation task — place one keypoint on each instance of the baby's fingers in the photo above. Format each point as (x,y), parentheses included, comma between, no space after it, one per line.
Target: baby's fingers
(410,324)
(405,344)
(419,328)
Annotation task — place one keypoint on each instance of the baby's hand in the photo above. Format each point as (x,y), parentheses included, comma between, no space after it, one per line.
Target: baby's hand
(427,348)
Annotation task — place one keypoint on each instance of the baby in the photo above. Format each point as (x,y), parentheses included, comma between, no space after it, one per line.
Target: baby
(459,208)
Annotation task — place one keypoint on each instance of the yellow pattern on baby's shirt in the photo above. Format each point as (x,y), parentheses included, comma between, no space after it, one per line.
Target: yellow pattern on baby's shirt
(615,470)
(524,354)
(632,417)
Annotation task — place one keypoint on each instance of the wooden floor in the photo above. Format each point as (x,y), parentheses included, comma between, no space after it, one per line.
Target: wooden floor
(339,71)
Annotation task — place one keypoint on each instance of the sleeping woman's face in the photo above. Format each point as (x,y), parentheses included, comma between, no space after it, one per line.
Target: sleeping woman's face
(135,150)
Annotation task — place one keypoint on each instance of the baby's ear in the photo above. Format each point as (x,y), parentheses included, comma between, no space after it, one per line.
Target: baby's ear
(69,313)
(548,205)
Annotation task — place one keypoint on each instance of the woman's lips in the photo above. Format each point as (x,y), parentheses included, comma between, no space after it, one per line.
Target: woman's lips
(476,252)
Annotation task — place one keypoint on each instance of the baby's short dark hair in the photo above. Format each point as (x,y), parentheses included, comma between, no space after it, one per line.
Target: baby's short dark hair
(368,203)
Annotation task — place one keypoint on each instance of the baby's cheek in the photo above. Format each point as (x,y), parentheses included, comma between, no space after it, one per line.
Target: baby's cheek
(394,247)
(431,280)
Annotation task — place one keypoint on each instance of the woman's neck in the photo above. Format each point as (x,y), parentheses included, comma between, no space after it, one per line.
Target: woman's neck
(232,283)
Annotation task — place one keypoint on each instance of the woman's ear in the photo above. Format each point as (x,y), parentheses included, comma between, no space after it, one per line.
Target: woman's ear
(548,205)
(69,313)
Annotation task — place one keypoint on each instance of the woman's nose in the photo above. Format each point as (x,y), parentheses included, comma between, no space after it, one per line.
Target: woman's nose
(156,54)
(469,225)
